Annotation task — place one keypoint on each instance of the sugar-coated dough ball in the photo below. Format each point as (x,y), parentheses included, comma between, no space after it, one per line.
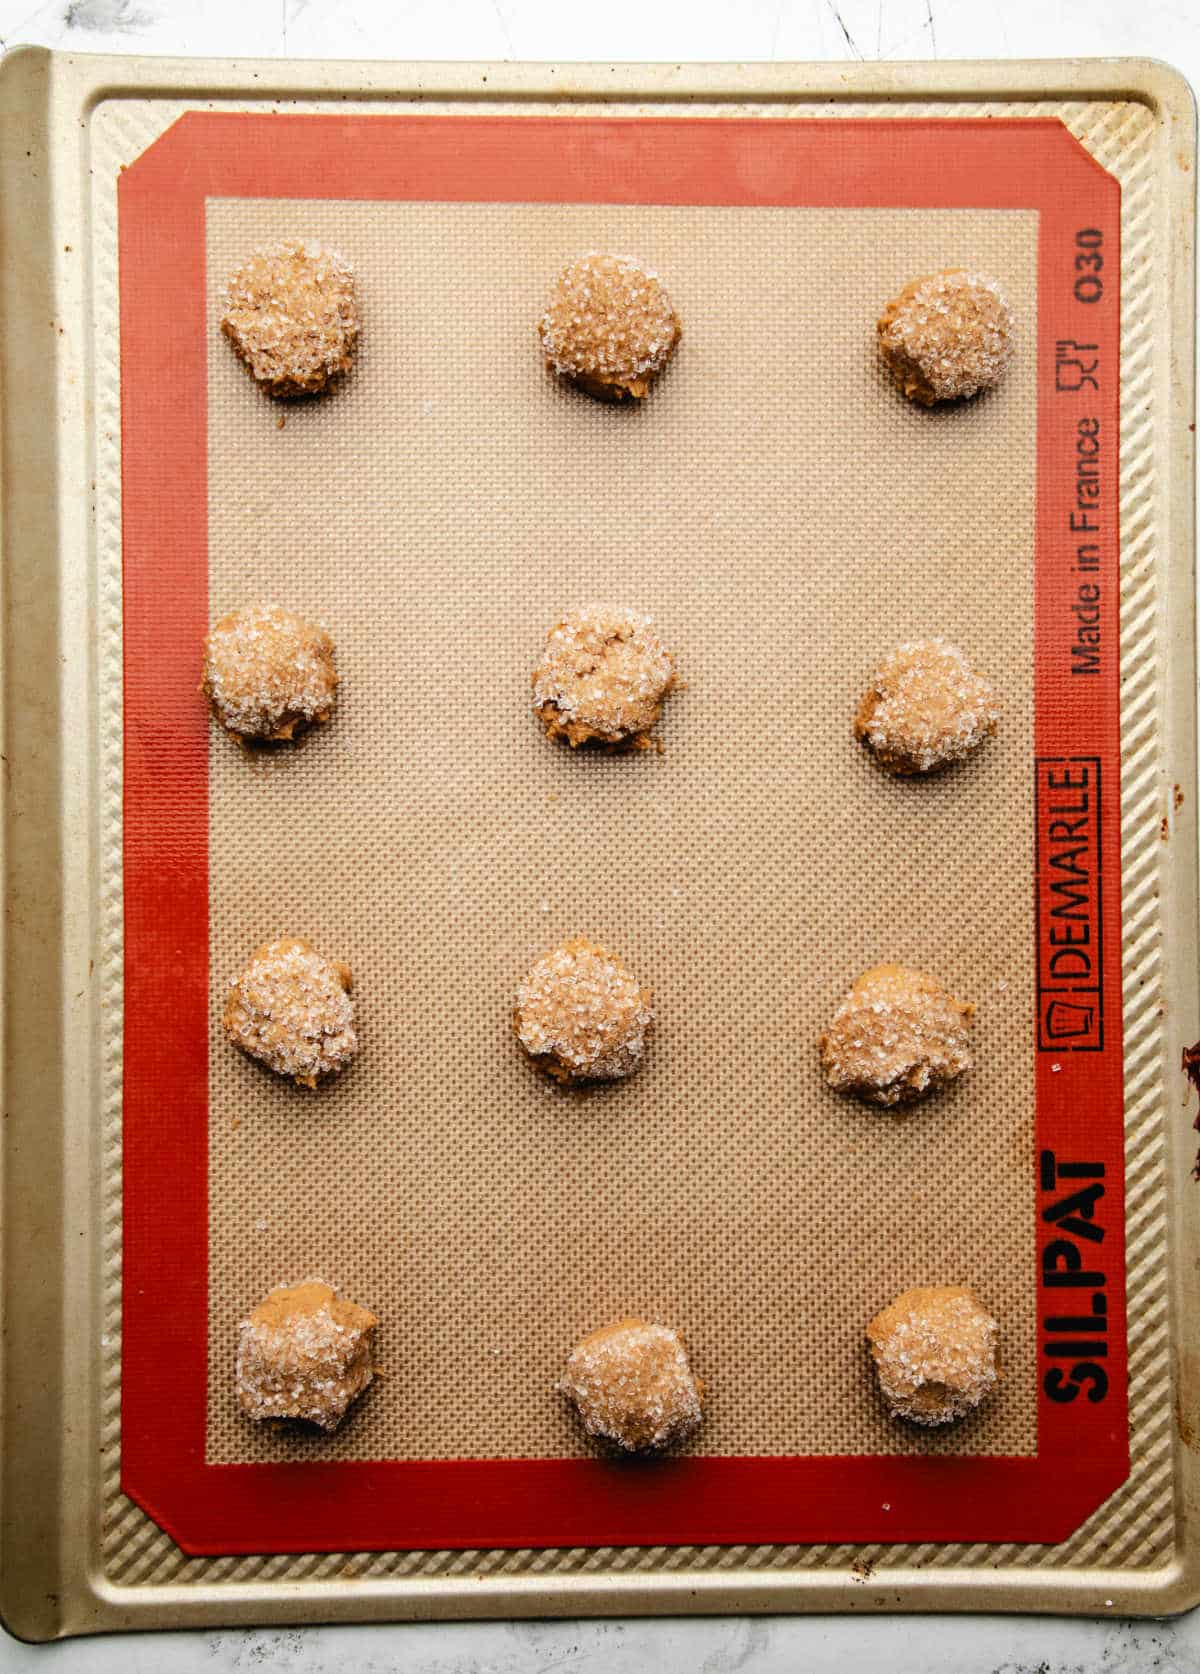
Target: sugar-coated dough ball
(896,1036)
(304,1353)
(291,1009)
(631,1385)
(925,708)
(609,327)
(947,336)
(292,316)
(935,1353)
(581,1016)
(602,679)
(268,674)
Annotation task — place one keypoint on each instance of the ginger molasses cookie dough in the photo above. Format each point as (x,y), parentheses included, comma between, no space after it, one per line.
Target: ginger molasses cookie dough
(602,679)
(895,1037)
(609,327)
(935,1353)
(947,336)
(925,707)
(291,1009)
(269,675)
(292,315)
(581,1016)
(631,1385)
(304,1353)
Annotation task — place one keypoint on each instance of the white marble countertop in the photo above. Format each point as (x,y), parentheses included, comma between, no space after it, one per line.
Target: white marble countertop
(763,1645)
(632,30)
(629,30)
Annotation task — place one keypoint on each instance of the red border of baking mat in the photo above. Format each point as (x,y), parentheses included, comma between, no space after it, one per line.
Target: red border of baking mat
(327,1506)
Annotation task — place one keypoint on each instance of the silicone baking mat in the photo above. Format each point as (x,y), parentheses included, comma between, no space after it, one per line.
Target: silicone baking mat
(436,840)
(785,517)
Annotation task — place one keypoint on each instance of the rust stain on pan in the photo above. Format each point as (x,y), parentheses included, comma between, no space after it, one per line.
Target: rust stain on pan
(1191,1068)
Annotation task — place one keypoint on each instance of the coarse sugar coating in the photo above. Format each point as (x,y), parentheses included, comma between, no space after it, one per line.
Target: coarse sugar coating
(602,679)
(609,327)
(925,708)
(269,675)
(291,1009)
(581,1016)
(631,1385)
(896,1036)
(935,1353)
(304,1353)
(947,336)
(292,315)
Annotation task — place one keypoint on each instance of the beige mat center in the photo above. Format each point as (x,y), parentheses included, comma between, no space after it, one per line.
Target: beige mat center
(786,518)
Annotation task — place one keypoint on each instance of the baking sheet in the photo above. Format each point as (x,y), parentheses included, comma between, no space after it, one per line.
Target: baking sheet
(1142,1537)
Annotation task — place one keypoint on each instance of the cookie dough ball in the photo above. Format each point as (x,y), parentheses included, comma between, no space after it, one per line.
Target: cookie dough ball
(291,1009)
(581,1016)
(292,316)
(935,1353)
(947,336)
(602,679)
(925,708)
(631,1385)
(304,1353)
(609,327)
(895,1037)
(268,674)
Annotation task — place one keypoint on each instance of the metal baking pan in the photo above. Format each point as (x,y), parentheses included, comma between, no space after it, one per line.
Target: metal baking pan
(119,1509)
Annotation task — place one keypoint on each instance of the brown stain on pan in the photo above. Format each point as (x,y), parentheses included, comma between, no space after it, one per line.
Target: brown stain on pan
(1190,1064)
(1187,1382)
